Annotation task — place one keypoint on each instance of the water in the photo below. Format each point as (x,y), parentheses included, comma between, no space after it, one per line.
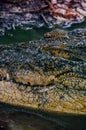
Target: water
(21,35)
(11,119)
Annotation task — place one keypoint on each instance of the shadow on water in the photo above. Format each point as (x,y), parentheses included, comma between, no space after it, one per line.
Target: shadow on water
(12,118)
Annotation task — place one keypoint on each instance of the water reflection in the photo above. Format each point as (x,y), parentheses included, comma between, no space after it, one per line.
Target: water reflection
(11,125)
(11,119)
(14,119)
(4,125)
(22,121)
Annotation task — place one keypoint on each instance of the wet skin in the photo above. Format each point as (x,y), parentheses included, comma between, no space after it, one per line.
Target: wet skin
(46,75)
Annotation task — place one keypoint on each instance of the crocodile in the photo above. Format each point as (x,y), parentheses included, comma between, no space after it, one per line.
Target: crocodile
(46,75)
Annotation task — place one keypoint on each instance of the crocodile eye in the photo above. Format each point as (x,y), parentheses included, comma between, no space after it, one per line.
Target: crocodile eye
(47,35)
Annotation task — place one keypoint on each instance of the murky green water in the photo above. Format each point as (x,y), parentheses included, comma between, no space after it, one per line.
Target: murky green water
(21,35)
(11,120)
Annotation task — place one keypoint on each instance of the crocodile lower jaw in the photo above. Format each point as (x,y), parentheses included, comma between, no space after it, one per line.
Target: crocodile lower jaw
(48,98)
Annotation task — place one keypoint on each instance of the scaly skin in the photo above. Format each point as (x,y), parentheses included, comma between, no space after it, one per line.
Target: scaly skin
(47,75)
(56,34)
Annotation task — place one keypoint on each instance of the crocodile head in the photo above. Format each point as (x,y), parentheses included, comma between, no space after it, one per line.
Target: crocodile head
(45,75)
